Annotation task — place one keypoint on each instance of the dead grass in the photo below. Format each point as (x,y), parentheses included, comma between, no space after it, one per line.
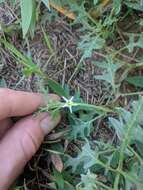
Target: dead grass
(60,65)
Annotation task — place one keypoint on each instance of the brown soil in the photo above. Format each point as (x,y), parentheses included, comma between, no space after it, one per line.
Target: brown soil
(60,66)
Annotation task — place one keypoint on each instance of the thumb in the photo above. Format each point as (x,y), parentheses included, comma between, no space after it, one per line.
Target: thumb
(20,143)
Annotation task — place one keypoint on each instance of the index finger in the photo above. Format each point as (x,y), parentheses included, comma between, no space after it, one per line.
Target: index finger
(19,103)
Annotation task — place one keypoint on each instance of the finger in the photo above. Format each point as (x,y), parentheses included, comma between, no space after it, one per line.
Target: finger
(20,144)
(18,103)
(4,126)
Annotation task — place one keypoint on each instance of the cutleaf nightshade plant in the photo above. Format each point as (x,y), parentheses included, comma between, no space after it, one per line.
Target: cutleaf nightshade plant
(54,106)
(112,165)
(79,127)
(120,164)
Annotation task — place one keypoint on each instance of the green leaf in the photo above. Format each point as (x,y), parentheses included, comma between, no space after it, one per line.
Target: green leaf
(121,125)
(135,5)
(27,15)
(95,2)
(81,127)
(141,22)
(118,126)
(60,182)
(117,6)
(135,80)
(29,66)
(48,41)
(87,157)
(57,88)
(139,147)
(133,42)
(68,186)
(89,43)
(109,72)
(13,50)
(52,185)
(88,181)
(58,178)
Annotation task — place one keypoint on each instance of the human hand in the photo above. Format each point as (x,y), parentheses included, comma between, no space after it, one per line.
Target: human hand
(20,141)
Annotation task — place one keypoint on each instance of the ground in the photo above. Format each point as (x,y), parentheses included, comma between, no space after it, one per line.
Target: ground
(61,65)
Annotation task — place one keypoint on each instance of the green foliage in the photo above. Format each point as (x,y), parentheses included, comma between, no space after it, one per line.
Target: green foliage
(82,126)
(88,182)
(135,80)
(129,131)
(80,129)
(109,74)
(89,43)
(137,5)
(60,182)
(56,87)
(28,16)
(29,66)
(135,43)
(117,163)
(48,42)
(87,157)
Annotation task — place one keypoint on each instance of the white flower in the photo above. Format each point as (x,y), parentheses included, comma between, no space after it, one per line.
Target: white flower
(69,103)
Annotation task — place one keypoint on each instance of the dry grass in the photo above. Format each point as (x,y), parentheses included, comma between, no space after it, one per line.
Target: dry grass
(59,66)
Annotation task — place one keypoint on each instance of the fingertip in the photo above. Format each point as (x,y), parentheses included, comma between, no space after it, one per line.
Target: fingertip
(20,103)
(50,122)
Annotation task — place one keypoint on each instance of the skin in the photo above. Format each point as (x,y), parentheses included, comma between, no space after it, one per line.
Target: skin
(19,141)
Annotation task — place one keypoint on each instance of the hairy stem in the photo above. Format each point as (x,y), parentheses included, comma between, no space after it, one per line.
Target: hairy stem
(125,143)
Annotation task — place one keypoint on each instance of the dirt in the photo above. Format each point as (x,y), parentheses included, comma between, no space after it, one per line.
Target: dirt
(59,66)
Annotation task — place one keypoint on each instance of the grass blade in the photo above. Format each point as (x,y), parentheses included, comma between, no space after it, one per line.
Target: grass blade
(27,15)
(47,40)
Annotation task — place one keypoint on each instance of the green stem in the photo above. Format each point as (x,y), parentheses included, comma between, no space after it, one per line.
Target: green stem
(59,105)
(107,151)
(137,155)
(120,172)
(124,144)
(103,185)
(106,166)
(131,94)
(99,108)
(133,179)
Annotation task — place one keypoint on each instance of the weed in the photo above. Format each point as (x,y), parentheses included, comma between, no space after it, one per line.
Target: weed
(111,38)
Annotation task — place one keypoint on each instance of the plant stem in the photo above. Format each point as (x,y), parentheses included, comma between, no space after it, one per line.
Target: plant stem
(131,94)
(99,108)
(107,151)
(133,179)
(106,166)
(125,143)
(120,172)
(103,185)
(137,155)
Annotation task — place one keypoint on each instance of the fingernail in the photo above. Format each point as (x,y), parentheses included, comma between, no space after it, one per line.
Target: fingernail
(49,123)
